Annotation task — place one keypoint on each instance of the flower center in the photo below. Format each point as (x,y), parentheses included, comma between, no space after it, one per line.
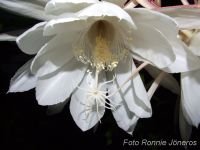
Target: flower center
(102,56)
(102,46)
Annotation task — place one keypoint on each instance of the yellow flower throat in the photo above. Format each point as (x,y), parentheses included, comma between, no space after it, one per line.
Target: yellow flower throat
(102,56)
(100,46)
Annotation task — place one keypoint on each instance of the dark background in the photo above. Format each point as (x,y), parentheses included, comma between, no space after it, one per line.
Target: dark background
(25,125)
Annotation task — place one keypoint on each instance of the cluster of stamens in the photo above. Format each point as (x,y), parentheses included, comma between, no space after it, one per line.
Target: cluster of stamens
(103,51)
(97,99)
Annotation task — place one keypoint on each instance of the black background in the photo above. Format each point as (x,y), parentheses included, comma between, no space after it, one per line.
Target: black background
(25,125)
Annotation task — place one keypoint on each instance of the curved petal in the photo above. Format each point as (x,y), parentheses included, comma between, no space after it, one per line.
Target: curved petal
(151,45)
(133,94)
(155,34)
(64,25)
(58,7)
(190,100)
(184,61)
(32,40)
(187,18)
(26,8)
(124,118)
(86,17)
(23,80)
(194,45)
(105,9)
(54,89)
(85,113)
(53,55)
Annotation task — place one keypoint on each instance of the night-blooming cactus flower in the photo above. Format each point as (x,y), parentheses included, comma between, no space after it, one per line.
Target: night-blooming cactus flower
(88,55)
(190,81)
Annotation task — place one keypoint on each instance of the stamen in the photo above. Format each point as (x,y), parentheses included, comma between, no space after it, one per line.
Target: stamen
(155,84)
(131,77)
(185,2)
(96,97)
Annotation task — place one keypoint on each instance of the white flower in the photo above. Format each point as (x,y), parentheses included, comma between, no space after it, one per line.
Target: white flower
(189,24)
(190,81)
(100,38)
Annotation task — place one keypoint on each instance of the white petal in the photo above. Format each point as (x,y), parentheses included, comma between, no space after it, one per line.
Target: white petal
(7,37)
(32,40)
(23,80)
(124,118)
(53,55)
(25,8)
(151,45)
(187,18)
(86,17)
(133,93)
(105,9)
(190,101)
(152,39)
(57,88)
(79,109)
(168,82)
(65,24)
(57,7)
(185,60)
(156,20)
(185,128)
(194,45)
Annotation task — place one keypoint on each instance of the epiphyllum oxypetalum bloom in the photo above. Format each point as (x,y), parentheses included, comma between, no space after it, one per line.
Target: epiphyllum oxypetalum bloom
(102,38)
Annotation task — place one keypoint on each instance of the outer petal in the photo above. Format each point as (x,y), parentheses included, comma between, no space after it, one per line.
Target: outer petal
(57,7)
(86,17)
(57,88)
(84,113)
(190,99)
(194,45)
(65,24)
(53,55)
(32,40)
(186,18)
(105,9)
(26,8)
(125,118)
(184,61)
(23,80)
(151,45)
(133,93)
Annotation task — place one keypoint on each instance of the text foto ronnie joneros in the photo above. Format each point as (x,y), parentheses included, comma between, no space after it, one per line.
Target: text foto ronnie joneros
(146,142)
